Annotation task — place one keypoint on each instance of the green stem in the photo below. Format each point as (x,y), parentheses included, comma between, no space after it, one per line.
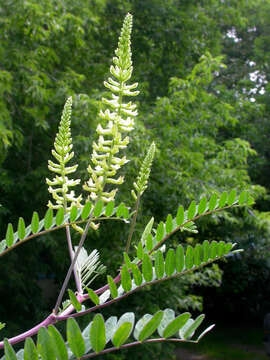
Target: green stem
(133,223)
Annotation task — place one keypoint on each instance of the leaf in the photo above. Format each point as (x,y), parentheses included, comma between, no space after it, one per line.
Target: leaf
(9,351)
(59,344)
(147,230)
(93,296)
(74,301)
(151,326)
(174,326)
(223,199)
(140,325)
(110,326)
(30,351)
(59,218)
(180,215)
(202,205)
(205,332)
(34,223)
(122,211)
(179,258)
(104,297)
(137,276)
(125,278)
(197,255)
(228,248)
(160,232)
(44,345)
(98,208)
(213,250)
(189,257)
(149,242)
(205,246)
(48,219)
(147,269)
(232,197)
(73,213)
(168,317)
(191,210)
(140,251)
(159,264)
(97,333)
(127,260)
(122,334)
(220,248)
(212,202)
(189,331)
(170,262)
(74,338)
(86,210)
(109,208)
(169,224)
(113,287)
(243,197)
(21,229)
(9,235)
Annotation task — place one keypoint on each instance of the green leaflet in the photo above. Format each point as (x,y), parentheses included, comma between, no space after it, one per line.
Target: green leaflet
(30,351)
(149,242)
(109,208)
(205,247)
(202,206)
(220,248)
(122,211)
(59,218)
(9,235)
(147,268)
(213,250)
(189,257)
(97,333)
(48,219)
(86,210)
(188,330)
(179,258)
(98,208)
(74,338)
(140,325)
(151,326)
(122,334)
(170,262)
(228,248)
(159,264)
(197,255)
(127,260)
(232,197)
(93,296)
(73,213)
(192,210)
(137,276)
(168,317)
(169,224)
(125,278)
(74,301)
(223,199)
(113,287)
(160,232)
(243,197)
(45,345)
(212,202)
(140,251)
(35,222)
(174,326)
(21,228)
(180,216)
(147,230)
(58,343)
(9,351)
